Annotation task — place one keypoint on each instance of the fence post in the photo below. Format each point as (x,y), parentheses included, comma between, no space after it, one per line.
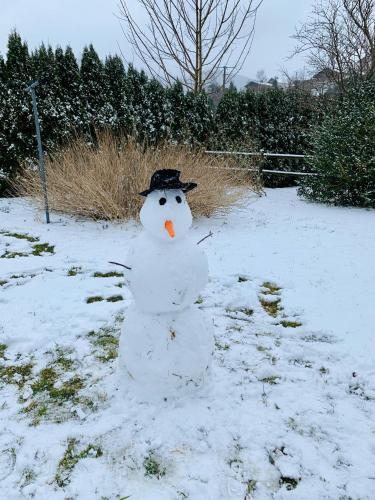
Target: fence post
(42,170)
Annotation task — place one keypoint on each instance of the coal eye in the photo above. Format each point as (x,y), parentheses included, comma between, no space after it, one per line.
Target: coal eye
(178,199)
(162,201)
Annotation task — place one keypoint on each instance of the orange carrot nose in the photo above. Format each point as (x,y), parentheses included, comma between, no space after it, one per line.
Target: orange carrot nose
(169,227)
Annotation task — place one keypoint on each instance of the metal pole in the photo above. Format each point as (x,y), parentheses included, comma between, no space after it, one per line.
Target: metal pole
(224,77)
(42,169)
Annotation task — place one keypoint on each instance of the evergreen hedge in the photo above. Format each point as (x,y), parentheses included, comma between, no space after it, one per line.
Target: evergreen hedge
(77,99)
(344,152)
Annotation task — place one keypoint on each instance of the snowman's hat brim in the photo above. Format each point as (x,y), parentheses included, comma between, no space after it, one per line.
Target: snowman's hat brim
(168,179)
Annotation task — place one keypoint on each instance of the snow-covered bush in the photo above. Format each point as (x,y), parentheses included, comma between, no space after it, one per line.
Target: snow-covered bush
(344,153)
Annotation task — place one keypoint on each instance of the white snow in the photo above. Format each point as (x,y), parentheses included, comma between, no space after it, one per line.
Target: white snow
(289,412)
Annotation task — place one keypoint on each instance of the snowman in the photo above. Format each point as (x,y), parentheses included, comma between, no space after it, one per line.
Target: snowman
(166,342)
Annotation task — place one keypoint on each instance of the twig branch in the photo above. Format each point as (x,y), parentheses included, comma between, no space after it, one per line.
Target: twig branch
(122,265)
(208,236)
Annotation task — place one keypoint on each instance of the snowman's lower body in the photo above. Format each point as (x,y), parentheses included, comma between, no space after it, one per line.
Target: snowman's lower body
(161,355)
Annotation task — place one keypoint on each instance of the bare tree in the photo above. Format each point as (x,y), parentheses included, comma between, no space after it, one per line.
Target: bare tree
(339,38)
(195,37)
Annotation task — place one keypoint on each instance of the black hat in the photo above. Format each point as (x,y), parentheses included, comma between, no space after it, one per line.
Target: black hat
(168,179)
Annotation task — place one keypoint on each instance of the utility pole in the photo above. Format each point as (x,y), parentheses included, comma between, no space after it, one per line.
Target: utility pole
(225,68)
(42,169)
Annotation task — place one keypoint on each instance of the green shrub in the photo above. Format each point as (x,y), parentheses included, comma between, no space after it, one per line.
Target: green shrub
(344,153)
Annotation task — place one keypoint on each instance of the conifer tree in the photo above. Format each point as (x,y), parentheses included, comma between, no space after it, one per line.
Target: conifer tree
(231,120)
(176,111)
(199,117)
(115,77)
(135,85)
(51,110)
(93,88)
(153,117)
(69,78)
(3,134)
(18,123)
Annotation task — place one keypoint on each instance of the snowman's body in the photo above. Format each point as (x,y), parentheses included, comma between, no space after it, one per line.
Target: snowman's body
(166,277)
(166,342)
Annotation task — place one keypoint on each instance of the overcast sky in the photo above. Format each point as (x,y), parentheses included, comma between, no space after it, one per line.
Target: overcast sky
(79,22)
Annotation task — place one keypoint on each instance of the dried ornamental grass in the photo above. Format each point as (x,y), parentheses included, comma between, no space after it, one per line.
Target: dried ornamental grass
(103,183)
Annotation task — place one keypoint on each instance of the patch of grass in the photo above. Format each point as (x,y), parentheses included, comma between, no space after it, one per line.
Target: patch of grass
(41,248)
(272,380)
(47,378)
(94,298)
(110,355)
(66,391)
(271,308)
(70,459)
(30,408)
(16,374)
(73,271)
(115,298)
(3,348)
(28,476)
(250,487)
(301,362)
(119,285)
(106,343)
(20,236)
(109,344)
(323,370)
(51,399)
(222,347)
(3,282)
(62,360)
(290,324)
(357,389)
(153,467)
(199,300)
(42,410)
(12,255)
(271,288)
(262,348)
(111,274)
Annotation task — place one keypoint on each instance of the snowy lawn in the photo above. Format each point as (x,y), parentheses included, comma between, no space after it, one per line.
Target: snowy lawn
(290,410)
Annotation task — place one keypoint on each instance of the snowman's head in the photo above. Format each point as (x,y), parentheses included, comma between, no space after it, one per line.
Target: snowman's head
(166,214)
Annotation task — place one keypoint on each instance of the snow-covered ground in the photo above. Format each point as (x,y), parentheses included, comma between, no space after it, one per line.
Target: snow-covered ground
(290,410)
